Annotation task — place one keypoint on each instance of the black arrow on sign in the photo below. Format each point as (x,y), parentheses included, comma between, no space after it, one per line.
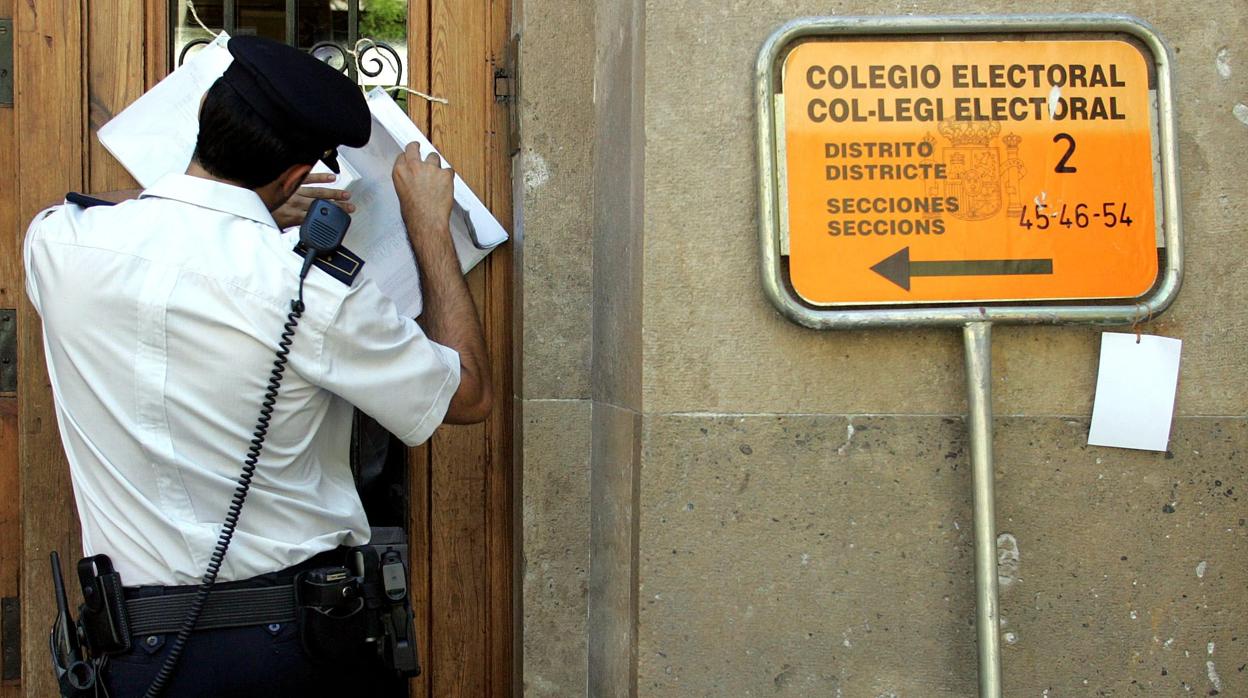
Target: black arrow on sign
(899,269)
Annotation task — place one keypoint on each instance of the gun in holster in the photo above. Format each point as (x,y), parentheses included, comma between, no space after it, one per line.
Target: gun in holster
(362,606)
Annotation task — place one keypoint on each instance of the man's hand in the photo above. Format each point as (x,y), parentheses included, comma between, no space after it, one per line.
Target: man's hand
(426,192)
(295,209)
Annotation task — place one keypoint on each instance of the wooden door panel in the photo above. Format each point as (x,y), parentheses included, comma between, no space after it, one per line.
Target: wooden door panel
(115,78)
(11,296)
(58,114)
(502,525)
(51,160)
(10,520)
(457,651)
(468,490)
(419,463)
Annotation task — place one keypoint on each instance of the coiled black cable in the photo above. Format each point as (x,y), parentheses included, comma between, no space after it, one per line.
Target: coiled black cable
(240,496)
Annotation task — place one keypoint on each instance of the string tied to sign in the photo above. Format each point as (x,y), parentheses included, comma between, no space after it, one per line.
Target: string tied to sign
(190,5)
(355,53)
(1143,314)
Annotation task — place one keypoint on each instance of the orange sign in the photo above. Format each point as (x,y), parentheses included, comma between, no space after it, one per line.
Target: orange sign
(928,171)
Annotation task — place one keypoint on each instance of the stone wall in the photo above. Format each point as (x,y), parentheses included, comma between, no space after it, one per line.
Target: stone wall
(720,503)
(555,218)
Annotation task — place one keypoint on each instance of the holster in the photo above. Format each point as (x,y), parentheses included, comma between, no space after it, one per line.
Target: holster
(332,614)
(385,564)
(102,615)
(361,606)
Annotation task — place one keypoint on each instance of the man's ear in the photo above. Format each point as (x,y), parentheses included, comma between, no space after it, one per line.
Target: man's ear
(288,182)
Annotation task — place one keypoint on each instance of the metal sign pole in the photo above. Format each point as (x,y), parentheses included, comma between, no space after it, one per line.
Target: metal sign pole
(977,337)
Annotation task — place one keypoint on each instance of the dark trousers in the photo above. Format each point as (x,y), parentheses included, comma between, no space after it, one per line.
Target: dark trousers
(242,662)
(266,661)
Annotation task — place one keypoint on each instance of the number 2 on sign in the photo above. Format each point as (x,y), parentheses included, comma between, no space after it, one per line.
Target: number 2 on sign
(1062,167)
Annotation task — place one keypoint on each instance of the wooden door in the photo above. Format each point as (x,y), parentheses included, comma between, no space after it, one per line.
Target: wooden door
(10,298)
(78,63)
(462,489)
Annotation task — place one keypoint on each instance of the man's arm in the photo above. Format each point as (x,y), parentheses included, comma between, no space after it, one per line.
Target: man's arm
(449,318)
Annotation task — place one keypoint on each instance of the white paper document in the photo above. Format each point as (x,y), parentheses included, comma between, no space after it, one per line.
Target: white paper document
(1135,390)
(474,229)
(155,136)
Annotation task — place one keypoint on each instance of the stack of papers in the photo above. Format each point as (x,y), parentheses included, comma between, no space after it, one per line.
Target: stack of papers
(155,136)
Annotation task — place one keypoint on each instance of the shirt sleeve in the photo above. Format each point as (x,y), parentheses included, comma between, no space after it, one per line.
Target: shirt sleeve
(32,232)
(384,364)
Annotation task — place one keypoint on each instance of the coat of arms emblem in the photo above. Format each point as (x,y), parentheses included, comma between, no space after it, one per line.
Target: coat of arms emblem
(975,172)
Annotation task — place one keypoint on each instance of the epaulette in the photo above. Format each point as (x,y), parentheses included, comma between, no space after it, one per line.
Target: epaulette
(342,264)
(86,201)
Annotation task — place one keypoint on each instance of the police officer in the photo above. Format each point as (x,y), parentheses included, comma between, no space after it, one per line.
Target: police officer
(160,319)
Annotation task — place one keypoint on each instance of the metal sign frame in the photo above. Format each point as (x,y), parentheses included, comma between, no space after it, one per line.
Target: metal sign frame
(770,137)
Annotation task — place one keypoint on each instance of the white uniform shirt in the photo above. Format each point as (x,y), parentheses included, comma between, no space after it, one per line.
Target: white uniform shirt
(161,317)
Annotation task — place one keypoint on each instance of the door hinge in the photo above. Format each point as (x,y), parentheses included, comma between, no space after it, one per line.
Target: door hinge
(6,62)
(507,91)
(10,639)
(8,350)
(504,86)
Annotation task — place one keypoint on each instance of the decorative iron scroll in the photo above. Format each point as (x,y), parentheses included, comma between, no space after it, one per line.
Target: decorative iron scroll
(369,57)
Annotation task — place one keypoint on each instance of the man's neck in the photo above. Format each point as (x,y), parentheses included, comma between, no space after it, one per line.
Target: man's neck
(266,193)
(197,170)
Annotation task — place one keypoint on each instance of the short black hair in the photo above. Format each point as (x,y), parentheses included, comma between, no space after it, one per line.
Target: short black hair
(237,145)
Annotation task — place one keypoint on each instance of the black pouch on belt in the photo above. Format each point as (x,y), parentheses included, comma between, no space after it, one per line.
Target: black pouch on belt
(102,615)
(383,565)
(332,614)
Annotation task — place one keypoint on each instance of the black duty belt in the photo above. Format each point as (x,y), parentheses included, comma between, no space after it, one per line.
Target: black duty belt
(226,608)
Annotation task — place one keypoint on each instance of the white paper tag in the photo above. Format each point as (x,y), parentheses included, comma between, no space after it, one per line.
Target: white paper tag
(1135,390)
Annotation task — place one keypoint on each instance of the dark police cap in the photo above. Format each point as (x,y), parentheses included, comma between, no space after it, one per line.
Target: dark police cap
(299,95)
